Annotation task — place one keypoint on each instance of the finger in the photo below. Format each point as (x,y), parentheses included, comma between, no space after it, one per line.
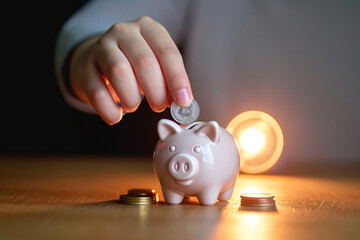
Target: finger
(169,99)
(170,59)
(100,98)
(114,65)
(145,66)
(112,92)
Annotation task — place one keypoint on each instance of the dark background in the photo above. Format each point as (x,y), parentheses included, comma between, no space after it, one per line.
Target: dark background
(34,116)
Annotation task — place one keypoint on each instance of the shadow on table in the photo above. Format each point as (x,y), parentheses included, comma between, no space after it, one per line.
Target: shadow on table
(112,220)
(188,220)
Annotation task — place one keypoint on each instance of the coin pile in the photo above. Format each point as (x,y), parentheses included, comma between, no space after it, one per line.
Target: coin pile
(257,200)
(139,196)
(185,115)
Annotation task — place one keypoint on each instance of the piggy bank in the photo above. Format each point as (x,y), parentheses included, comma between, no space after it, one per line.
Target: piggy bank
(199,160)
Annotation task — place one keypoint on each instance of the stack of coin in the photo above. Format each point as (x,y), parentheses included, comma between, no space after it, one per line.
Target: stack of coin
(257,200)
(185,115)
(139,196)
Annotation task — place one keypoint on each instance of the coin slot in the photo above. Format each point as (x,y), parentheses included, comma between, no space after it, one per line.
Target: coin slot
(191,126)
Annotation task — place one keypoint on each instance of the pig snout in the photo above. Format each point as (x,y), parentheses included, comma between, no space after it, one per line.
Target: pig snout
(183,168)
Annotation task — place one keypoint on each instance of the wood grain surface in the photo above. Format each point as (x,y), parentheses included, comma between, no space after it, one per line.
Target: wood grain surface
(76,197)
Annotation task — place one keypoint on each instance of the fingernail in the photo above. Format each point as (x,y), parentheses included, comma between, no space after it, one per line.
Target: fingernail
(182,97)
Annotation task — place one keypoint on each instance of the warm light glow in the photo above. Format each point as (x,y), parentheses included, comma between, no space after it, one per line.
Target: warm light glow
(251,189)
(252,140)
(251,219)
(259,138)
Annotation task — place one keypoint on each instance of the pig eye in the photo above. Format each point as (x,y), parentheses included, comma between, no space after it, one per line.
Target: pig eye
(197,149)
(172,148)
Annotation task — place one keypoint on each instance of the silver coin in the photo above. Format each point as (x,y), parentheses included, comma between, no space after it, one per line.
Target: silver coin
(185,115)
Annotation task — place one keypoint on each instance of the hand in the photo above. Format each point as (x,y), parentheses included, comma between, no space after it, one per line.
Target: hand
(130,59)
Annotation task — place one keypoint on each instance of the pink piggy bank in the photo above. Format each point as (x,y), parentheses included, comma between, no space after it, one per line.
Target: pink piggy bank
(199,160)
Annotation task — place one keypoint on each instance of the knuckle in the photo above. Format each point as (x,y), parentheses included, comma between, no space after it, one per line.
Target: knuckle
(161,28)
(117,68)
(145,60)
(97,95)
(169,50)
(118,27)
(177,80)
(101,42)
(145,20)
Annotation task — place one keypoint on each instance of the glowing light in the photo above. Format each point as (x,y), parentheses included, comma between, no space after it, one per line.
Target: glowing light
(252,140)
(251,219)
(251,189)
(259,138)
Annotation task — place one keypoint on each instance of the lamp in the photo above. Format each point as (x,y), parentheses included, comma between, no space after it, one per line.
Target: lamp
(260,140)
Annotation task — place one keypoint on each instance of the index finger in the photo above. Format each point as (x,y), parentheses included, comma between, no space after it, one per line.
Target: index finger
(170,59)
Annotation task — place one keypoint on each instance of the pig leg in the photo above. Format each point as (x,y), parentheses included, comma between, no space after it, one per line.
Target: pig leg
(209,196)
(172,197)
(224,196)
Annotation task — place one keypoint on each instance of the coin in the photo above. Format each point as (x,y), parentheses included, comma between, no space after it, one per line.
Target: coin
(257,199)
(254,196)
(257,205)
(141,191)
(138,196)
(185,115)
(137,200)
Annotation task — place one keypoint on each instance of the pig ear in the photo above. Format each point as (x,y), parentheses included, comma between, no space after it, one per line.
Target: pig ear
(211,130)
(166,127)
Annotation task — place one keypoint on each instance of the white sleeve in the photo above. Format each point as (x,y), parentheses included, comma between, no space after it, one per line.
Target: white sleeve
(97,16)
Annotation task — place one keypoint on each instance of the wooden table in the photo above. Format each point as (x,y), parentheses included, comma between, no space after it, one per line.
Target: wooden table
(76,197)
